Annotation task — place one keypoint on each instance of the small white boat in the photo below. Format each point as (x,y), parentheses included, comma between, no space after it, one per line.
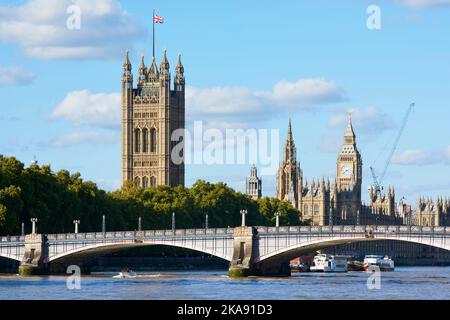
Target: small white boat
(384,263)
(125,274)
(329,263)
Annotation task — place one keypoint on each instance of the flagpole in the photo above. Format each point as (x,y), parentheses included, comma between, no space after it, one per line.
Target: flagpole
(153,33)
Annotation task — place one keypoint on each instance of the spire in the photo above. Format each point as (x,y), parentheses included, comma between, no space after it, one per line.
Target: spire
(127,58)
(153,73)
(164,67)
(179,68)
(290,130)
(127,64)
(289,146)
(179,75)
(254,171)
(142,71)
(350,137)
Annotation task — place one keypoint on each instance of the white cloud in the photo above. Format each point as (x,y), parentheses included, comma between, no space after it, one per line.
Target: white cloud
(86,108)
(367,121)
(221,101)
(16,76)
(417,157)
(85,137)
(240,104)
(423,3)
(305,93)
(39,27)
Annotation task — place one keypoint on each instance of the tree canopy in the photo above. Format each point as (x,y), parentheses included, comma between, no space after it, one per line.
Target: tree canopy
(57,199)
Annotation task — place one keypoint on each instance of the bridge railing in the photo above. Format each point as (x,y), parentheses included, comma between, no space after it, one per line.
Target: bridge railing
(145,233)
(354,229)
(12,239)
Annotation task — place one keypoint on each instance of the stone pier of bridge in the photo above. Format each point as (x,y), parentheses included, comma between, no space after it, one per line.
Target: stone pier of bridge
(36,253)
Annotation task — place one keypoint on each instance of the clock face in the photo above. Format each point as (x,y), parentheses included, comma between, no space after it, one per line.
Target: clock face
(346,171)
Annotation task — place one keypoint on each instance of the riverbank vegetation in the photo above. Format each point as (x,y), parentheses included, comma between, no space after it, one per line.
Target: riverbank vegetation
(58,198)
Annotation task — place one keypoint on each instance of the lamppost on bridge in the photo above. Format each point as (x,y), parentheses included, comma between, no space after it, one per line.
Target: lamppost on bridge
(76,223)
(140,224)
(277,219)
(23,229)
(33,225)
(206,221)
(358,221)
(173,222)
(104,224)
(243,213)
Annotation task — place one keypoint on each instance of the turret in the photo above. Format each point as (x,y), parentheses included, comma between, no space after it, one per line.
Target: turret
(153,74)
(142,72)
(335,192)
(127,113)
(127,76)
(289,146)
(179,76)
(164,68)
(127,81)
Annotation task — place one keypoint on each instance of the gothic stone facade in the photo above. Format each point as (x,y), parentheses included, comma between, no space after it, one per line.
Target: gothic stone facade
(432,213)
(253,185)
(326,203)
(151,112)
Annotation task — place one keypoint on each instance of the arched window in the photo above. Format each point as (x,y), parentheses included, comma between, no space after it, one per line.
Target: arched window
(305,210)
(145,140)
(316,209)
(145,182)
(137,180)
(153,181)
(153,140)
(137,140)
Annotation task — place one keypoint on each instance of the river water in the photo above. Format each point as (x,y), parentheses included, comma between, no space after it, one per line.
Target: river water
(405,283)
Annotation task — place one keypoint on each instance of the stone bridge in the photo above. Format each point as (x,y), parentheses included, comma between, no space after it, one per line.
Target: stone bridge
(250,250)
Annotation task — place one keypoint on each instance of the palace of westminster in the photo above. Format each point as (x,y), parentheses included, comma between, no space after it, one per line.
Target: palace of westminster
(152,111)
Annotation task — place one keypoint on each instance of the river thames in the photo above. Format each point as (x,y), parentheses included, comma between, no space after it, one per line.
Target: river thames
(405,283)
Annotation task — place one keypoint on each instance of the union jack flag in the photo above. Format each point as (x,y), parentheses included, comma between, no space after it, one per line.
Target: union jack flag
(158,19)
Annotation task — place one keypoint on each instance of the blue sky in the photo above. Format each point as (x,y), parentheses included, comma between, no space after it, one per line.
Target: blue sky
(257,62)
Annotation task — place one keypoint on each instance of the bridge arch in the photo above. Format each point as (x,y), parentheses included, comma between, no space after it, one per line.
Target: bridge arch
(290,252)
(10,257)
(99,249)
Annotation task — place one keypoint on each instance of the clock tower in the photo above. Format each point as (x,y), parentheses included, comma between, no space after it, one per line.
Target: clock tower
(347,193)
(349,164)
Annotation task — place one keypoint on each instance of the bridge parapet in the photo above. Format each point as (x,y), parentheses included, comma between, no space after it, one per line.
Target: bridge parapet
(130,234)
(12,239)
(229,231)
(353,229)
